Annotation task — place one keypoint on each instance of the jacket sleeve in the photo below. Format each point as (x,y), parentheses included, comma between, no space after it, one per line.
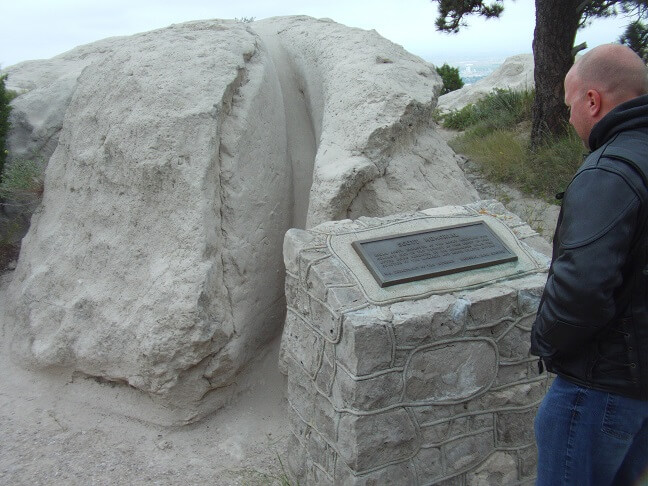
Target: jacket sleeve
(600,217)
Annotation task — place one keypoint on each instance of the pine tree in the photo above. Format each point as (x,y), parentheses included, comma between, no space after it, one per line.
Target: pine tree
(557,22)
(636,38)
(451,78)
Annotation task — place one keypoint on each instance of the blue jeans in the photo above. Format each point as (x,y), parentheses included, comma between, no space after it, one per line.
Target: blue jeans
(588,437)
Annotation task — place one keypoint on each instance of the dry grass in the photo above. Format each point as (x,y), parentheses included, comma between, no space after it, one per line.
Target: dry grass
(495,134)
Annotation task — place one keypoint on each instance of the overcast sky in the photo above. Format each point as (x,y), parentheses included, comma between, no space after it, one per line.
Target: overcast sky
(38,29)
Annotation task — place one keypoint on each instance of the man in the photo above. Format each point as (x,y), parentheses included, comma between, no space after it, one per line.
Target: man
(592,323)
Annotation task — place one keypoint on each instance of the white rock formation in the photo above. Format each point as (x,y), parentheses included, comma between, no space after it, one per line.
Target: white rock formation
(184,155)
(369,104)
(516,73)
(46,88)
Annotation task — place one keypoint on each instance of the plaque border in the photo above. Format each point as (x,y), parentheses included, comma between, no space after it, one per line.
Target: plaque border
(357,246)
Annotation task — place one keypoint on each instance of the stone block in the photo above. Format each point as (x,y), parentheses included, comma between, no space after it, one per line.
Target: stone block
(307,257)
(433,435)
(326,373)
(325,321)
(320,453)
(467,452)
(512,373)
(401,357)
(418,388)
(499,468)
(489,304)
(520,395)
(311,409)
(345,298)
(527,461)
(423,321)
(302,397)
(525,322)
(366,345)
(431,414)
(324,273)
(296,462)
(296,296)
(295,241)
(298,427)
(379,391)
(401,473)
(494,331)
(513,428)
(514,344)
(458,480)
(302,344)
(481,421)
(316,475)
(369,441)
(429,465)
(451,371)
(325,420)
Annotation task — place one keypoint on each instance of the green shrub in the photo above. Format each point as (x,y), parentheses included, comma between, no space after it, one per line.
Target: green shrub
(552,165)
(22,181)
(501,109)
(460,119)
(5,108)
(451,79)
(496,136)
(500,153)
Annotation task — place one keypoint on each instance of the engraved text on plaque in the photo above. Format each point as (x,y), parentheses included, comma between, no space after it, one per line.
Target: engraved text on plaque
(424,254)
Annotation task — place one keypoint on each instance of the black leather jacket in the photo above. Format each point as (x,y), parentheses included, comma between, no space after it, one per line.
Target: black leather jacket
(592,322)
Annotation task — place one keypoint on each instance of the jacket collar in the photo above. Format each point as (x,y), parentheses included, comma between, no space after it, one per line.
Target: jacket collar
(626,116)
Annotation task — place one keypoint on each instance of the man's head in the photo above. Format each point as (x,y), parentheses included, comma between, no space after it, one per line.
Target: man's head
(603,78)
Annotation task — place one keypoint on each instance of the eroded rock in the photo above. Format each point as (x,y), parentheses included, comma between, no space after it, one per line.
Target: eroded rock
(184,156)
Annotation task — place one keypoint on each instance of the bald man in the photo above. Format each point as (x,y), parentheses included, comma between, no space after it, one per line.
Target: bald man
(591,329)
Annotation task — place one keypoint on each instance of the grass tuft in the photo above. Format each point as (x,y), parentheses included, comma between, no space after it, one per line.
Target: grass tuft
(495,135)
(22,181)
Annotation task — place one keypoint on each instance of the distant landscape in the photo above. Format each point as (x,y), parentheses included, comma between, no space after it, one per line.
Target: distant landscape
(472,71)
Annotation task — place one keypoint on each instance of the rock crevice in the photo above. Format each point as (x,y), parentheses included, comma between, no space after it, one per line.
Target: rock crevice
(184,156)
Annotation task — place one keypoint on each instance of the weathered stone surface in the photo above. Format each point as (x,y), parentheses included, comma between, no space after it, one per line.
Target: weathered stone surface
(367,109)
(489,304)
(527,457)
(366,345)
(429,465)
(45,88)
(500,468)
(512,429)
(437,386)
(358,116)
(369,441)
(451,371)
(142,265)
(401,473)
(467,452)
(373,393)
(302,344)
(421,321)
(179,158)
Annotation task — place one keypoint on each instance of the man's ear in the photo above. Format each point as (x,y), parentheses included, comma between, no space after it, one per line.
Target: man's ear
(593,102)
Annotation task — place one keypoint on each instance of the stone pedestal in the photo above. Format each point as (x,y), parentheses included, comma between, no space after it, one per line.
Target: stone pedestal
(426,382)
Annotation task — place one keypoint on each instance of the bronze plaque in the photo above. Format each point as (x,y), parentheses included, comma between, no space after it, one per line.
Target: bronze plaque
(432,253)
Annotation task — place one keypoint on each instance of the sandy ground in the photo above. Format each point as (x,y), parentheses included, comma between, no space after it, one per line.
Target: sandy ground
(49,438)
